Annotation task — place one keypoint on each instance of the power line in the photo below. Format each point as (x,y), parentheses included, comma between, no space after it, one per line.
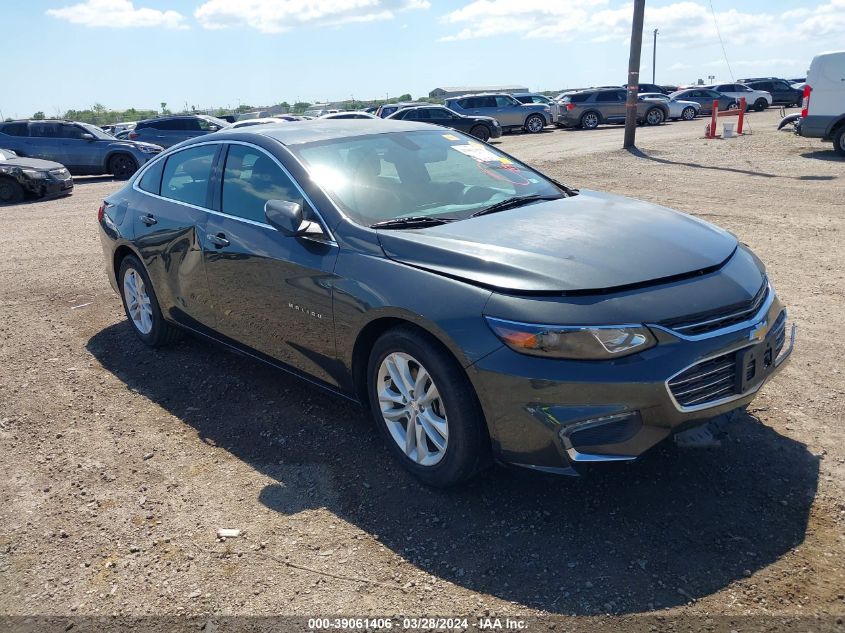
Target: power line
(721,41)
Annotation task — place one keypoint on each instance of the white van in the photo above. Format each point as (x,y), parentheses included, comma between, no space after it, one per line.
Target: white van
(823,115)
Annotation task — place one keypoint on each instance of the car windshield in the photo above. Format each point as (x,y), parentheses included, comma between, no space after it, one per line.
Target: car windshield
(97,132)
(435,174)
(6,155)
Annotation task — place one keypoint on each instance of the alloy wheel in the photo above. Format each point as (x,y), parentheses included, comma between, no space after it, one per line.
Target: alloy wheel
(122,166)
(688,114)
(591,121)
(137,301)
(535,124)
(654,117)
(412,409)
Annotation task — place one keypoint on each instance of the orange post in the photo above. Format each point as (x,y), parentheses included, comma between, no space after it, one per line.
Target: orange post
(741,115)
(714,119)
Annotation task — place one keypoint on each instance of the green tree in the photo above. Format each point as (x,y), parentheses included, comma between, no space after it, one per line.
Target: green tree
(301,106)
(39,116)
(405,97)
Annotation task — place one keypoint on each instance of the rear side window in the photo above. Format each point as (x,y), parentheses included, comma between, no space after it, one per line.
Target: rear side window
(186,175)
(15,129)
(151,180)
(579,98)
(609,97)
(250,179)
(485,102)
(44,130)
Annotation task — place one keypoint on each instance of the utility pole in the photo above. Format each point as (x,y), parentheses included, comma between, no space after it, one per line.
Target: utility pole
(634,75)
(654,60)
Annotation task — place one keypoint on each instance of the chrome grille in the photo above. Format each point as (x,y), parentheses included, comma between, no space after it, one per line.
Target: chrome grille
(704,323)
(706,382)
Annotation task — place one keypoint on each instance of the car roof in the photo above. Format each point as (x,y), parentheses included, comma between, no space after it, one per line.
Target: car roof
(482,94)
(299,132)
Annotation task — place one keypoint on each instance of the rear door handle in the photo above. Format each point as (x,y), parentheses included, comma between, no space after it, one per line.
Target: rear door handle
(218,240)
(148,219)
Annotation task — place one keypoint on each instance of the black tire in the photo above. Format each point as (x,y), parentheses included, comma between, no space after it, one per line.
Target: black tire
(467,447)
(839,141)
(481,132)
(122,166)
(534,124)
(162,332)
(655,116)
(11,191)
(590,121)
(761,104)
(688,113)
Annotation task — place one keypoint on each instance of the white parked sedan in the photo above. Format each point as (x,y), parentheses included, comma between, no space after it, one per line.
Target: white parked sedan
(678,108)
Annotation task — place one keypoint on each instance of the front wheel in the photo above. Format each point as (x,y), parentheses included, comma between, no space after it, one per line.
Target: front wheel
(481,133)
(122,166)
(688,113)
(655,116)
(535,123)
(141,305)
(11,191)
(426,408)
(590,121)
(761,104)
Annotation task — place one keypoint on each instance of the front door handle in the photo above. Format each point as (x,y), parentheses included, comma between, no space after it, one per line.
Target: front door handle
(218,240)
(148,219)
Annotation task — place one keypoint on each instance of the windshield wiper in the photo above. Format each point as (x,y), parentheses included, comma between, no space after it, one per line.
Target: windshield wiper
(512,203)
(411,222)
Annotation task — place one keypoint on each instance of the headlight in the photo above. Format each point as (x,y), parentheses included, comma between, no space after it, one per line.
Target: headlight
(148,150)
(576,342)
(34,173)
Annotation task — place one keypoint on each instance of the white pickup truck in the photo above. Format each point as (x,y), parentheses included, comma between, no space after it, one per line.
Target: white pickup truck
(823,114)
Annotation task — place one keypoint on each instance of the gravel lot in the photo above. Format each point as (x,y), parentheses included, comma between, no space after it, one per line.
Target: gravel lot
(121,462)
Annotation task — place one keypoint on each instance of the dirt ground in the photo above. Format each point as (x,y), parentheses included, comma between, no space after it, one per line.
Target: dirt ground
(121,462)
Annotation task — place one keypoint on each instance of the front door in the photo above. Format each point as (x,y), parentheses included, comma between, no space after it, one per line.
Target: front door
(81,154)
(271,293)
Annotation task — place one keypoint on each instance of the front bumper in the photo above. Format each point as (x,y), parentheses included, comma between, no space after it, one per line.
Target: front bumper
(548,414)
(50,186)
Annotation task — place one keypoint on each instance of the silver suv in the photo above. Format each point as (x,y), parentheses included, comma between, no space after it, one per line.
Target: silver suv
(757,99)
(510,113)
(588,109)
(170,130)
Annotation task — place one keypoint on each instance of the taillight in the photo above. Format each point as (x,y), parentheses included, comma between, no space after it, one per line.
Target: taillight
(805,105)
(570,106)
(101,212)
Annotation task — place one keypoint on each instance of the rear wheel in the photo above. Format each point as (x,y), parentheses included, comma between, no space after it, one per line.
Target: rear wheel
(122,166)
(761,104)
(590,121)
(481,133)
(426,408)
(688,113)
(11,191)
(839,141)
(655,116)
(141,305)
(535,123)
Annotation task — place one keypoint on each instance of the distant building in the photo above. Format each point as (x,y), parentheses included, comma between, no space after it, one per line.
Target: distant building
(454,91)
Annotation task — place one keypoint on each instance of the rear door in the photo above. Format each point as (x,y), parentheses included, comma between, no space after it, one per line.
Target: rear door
(447,118)
(45,142)
(169,216)
(271,292)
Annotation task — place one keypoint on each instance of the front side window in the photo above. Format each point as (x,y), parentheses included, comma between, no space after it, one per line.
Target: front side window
(250,179)
(186,175)
(68,130)
(505,102)
(437,173)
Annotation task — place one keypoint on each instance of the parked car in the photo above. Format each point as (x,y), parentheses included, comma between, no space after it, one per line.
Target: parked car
(170,130)
(590,108)
(534,97)
(479,308)
(757,99)
(288,117)
(387,109)
(678,108)
(481,127)
(705,98)
(781,90)
(510,113)
(20,177)
(349,115)
(249,123)
(823,114)
(652,88)
(83,148)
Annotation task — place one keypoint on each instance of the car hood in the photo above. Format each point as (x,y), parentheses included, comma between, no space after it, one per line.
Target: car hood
(136,144)
(590,242)
(31,163)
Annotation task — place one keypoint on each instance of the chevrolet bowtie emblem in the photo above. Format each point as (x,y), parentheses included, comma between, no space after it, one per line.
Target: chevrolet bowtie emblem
(758,332)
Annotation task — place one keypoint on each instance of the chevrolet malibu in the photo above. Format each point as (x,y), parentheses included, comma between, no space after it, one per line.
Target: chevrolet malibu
(479,309)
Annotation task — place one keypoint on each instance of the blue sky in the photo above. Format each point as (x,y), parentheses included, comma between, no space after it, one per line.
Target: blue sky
(203,53)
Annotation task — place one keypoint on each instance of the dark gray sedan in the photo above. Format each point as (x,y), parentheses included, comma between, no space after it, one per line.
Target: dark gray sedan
(479,309)
(20,177)
(705,97)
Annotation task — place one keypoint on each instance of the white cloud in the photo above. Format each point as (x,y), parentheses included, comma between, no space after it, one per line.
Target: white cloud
(277,16)
(682,24)
(117,14)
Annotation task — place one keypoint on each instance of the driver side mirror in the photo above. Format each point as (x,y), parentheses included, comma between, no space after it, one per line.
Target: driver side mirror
(87,137)
(286,217)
